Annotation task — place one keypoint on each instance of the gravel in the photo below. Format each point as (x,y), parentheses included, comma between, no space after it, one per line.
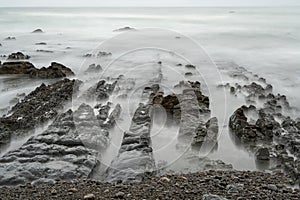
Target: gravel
(202,185)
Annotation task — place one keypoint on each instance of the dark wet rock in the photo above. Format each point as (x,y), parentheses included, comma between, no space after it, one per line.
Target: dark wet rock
(93,68)
(0,45)
(126,28)
(124,86)
(262,154)
(190,66)
(88,55)
(238,123)
(59,153)
(55,70)
(206,135)
(182,84)
(44,51)
(41,43)
(99,54)
(254,88)
(135,158)
(114,115)
(10,38)
(100,91)
(159,62)
(38,31)
(179,65)
(90,131)
(188,74)
(151,91)
(103,53)
(36,108)
(18,56)
(21,67)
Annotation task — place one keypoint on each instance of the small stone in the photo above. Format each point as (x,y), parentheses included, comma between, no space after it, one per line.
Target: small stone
(73,190)
(89,197)
(53,192)
(106,191)
(165,179)
(119,194)
(272,187)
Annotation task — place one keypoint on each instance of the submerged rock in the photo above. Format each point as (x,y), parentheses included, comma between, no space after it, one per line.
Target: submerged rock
(41,43)
(93,68)
(44,51)
(18,56)
(126,28)
(10,38)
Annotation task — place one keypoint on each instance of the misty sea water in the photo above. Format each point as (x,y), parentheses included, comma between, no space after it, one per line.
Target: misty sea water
(266,41)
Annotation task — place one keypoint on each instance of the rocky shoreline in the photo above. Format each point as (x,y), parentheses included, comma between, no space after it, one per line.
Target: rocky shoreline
(63,160)
(207,185)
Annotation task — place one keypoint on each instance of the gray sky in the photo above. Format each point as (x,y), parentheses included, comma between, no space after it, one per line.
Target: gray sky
(92,3)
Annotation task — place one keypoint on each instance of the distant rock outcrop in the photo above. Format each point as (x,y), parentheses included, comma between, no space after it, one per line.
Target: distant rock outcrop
(126,28)
(18,56)
(55,70)
(38,31)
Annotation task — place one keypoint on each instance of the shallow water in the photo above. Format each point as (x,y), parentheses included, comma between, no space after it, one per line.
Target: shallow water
(265,41)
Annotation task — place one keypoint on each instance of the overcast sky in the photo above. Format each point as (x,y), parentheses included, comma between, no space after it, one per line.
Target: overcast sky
(92,3)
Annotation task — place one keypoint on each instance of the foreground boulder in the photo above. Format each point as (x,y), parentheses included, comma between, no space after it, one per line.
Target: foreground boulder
(37,107)
(56,154)
(55,70)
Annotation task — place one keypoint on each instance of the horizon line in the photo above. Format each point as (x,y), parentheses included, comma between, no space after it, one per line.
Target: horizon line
(254,6)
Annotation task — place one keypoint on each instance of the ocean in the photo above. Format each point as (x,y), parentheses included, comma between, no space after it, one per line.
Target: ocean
(265,41)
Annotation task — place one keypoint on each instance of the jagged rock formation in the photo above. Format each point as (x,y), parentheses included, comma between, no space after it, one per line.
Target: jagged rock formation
(69,149)
(93,68)
(266,129)
(38,107)
(100,91)
(55,70)
(135,157)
